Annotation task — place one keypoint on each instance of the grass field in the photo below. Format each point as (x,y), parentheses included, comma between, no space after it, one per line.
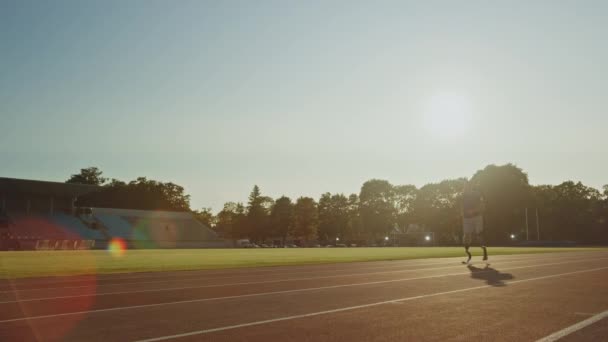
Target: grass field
(55,263)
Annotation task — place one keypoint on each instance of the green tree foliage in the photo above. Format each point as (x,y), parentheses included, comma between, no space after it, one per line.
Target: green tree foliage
(355,223)
(258,214)
(437,206)
(281,218)
(305,219)
(205,216)
(405,198)
(230,221)
(570,211)
(142,194)
(90,176)
(326,229)
(334,217)
(377,207)
(507,193)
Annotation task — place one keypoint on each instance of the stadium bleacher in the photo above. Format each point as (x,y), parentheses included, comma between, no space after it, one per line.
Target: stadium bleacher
(35,226)
(75,228)
(115,225)
(56,231)
(157,229)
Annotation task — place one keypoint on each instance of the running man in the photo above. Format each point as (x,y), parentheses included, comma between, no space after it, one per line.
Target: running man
(472,220)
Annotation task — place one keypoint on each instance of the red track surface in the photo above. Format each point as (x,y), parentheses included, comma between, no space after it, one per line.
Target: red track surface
(516,298)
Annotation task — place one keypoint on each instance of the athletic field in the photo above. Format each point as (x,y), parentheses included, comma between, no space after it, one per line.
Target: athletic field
(421,294)
(54,263)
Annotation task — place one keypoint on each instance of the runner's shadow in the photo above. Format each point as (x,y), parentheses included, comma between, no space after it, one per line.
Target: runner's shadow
(491,276)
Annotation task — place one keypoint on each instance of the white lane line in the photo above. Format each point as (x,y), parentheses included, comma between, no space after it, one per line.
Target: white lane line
(272,293)
(228,284)
(573,328)
(398,264)
(250,283)
(350,308)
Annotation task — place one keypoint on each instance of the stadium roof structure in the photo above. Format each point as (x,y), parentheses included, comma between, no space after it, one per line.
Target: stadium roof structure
(36,187)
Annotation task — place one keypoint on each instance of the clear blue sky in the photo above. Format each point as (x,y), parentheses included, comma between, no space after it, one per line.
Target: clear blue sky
(302,97)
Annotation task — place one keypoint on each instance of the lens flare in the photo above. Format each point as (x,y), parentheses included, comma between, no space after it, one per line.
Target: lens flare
(117,247)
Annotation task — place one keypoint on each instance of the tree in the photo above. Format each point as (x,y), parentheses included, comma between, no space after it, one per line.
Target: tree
(281,218)
(326,228)
(173,194)
(333,217)
(437,206)
(230,221)
(258,210)
(377,207)
(570,211)
(90,176)
(305,219)
(405,197)
(355,223)
(507,193)
(154,194)
(142,194)
(340,208)
(205,216)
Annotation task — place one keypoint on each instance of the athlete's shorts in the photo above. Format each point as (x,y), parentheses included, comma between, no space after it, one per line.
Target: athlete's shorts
(472,225)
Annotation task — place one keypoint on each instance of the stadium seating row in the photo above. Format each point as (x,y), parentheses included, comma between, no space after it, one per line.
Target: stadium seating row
(42,245)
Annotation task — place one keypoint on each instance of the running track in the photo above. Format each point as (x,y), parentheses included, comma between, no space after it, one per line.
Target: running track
(517,298)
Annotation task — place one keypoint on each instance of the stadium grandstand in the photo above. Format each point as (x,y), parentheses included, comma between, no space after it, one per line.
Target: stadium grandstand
(42,215)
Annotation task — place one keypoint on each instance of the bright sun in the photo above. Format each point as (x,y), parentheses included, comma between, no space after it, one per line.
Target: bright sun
(448,115)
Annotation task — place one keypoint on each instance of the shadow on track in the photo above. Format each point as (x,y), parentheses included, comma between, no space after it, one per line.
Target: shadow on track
(491,276)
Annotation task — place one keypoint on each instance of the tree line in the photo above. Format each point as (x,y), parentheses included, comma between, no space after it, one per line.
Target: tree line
(141,193)
(568,211)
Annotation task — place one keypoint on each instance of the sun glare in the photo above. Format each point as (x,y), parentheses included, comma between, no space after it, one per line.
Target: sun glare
(448,115)
(117,247)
